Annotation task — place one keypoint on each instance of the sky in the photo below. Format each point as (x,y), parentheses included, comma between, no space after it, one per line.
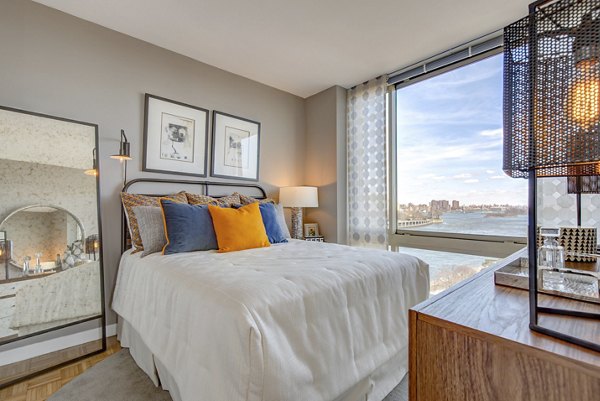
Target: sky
(450,139)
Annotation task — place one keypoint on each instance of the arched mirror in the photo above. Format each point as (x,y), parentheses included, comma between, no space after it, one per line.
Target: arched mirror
(43,239)
(51,277)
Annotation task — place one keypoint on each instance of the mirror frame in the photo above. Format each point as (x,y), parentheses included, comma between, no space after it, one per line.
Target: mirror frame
(102,316)
(58,208)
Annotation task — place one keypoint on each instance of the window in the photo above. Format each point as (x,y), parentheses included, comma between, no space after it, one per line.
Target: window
(450,193)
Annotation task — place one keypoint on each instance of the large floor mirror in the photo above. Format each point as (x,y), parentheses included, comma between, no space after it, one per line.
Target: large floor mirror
(51,276)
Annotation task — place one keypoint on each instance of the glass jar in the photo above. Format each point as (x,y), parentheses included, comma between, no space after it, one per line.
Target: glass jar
(551,260)
(551,255)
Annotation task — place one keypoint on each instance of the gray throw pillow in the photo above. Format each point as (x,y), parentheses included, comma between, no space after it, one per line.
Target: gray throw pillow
(281,221)
(151,228)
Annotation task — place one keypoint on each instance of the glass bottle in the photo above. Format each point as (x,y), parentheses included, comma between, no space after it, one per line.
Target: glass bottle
(38,264)
(551,255)
(26,260)
(551,258)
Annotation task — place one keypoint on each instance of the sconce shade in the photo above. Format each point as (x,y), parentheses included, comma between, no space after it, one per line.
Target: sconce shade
(552,91)
(124,149)
(299,197)
(92,244)
(6,247)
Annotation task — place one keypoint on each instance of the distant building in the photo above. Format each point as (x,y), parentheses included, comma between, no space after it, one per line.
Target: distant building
(437,207)
(455,205)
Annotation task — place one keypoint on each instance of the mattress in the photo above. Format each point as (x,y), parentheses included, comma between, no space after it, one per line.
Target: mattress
(296,321)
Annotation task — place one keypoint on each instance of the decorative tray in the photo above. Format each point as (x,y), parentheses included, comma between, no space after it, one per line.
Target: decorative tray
(577,281)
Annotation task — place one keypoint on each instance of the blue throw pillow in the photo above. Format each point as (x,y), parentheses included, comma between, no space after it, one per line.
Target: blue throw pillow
(188,228)
(269,215)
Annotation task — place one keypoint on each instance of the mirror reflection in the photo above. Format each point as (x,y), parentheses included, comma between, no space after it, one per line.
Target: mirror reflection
(49,242)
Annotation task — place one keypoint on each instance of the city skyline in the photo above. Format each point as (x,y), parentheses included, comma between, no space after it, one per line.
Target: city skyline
(450,139)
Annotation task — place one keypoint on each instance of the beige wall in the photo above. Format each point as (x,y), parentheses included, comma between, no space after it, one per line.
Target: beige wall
(56,64)
(326,161)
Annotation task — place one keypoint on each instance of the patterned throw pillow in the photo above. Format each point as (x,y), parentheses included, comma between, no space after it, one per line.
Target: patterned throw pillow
(132,200)
(225,201)
(246,200)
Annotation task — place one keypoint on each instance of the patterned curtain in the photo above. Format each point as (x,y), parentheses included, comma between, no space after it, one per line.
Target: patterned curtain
(367,165)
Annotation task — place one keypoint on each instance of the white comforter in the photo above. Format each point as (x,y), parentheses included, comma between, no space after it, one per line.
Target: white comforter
(297,321)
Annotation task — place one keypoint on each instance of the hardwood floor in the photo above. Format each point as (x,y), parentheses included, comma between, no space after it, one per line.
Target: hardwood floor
(43,386)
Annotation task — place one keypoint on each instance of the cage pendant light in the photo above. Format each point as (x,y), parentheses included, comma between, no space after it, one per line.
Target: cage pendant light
(552,90)
(552,113)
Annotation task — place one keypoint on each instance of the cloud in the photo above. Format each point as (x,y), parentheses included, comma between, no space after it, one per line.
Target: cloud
(490,171)
(463,175)
(498,177)
(494,133)
(471,181)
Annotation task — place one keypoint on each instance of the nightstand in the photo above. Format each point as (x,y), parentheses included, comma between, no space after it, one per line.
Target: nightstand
(473,342)
(317,238)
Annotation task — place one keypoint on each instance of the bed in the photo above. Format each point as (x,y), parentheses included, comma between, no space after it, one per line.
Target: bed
(295,321)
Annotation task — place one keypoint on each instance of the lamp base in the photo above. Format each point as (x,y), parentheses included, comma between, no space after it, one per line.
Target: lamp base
(297,223)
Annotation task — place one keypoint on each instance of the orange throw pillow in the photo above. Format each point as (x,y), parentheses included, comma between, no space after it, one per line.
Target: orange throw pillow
(239,229)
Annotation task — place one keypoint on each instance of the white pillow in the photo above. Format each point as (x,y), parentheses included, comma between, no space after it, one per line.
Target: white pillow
(281,221)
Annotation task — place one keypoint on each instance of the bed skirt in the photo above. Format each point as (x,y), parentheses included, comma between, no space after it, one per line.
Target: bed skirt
(372,388)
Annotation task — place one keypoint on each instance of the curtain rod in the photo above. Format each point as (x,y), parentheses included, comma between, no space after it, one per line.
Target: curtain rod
(438,56)
(452,50)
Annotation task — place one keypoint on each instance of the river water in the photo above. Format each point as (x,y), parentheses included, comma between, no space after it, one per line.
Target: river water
(479,223)
(446,268)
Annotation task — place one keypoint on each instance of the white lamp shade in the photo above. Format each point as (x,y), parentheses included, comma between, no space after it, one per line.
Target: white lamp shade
(298,197)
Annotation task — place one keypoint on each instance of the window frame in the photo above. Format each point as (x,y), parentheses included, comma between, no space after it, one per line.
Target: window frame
(471,244)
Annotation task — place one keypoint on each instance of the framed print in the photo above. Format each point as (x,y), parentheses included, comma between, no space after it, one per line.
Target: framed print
(311,230)
(175,137)
(235,147)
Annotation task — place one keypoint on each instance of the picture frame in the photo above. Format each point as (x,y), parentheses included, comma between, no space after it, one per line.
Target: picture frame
(235,147)
(175,137)
(311,230)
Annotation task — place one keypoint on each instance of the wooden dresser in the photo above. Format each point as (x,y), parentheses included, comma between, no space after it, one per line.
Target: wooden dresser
(473,342)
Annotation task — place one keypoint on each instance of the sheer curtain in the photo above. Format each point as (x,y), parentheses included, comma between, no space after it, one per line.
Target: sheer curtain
(367,167)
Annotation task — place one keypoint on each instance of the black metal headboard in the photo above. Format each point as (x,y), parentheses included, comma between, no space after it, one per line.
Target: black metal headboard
(205,190)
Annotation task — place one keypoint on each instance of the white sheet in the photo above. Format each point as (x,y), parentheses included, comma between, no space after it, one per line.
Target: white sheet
(297,321)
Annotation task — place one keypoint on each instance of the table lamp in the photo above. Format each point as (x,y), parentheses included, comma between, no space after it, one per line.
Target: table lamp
(552,116)
(298,198)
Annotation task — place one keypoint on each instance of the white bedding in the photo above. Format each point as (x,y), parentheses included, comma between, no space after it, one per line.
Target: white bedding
(297,321)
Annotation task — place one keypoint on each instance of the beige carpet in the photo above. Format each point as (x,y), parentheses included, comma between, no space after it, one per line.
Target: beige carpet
(117,378)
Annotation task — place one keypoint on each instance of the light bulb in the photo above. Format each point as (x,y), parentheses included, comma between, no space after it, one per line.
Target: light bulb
(584,102)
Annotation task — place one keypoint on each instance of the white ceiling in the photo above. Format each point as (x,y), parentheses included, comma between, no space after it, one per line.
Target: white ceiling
(301,46)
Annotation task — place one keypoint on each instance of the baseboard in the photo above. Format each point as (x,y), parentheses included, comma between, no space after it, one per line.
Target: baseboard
(44,347)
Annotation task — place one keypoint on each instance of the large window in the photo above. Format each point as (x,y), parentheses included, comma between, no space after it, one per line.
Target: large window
(451,193)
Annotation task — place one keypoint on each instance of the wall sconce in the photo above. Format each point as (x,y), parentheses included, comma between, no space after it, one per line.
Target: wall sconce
(94,170)
(124,149)
(124,154)
(552,114)
(92,245)
(5,252)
